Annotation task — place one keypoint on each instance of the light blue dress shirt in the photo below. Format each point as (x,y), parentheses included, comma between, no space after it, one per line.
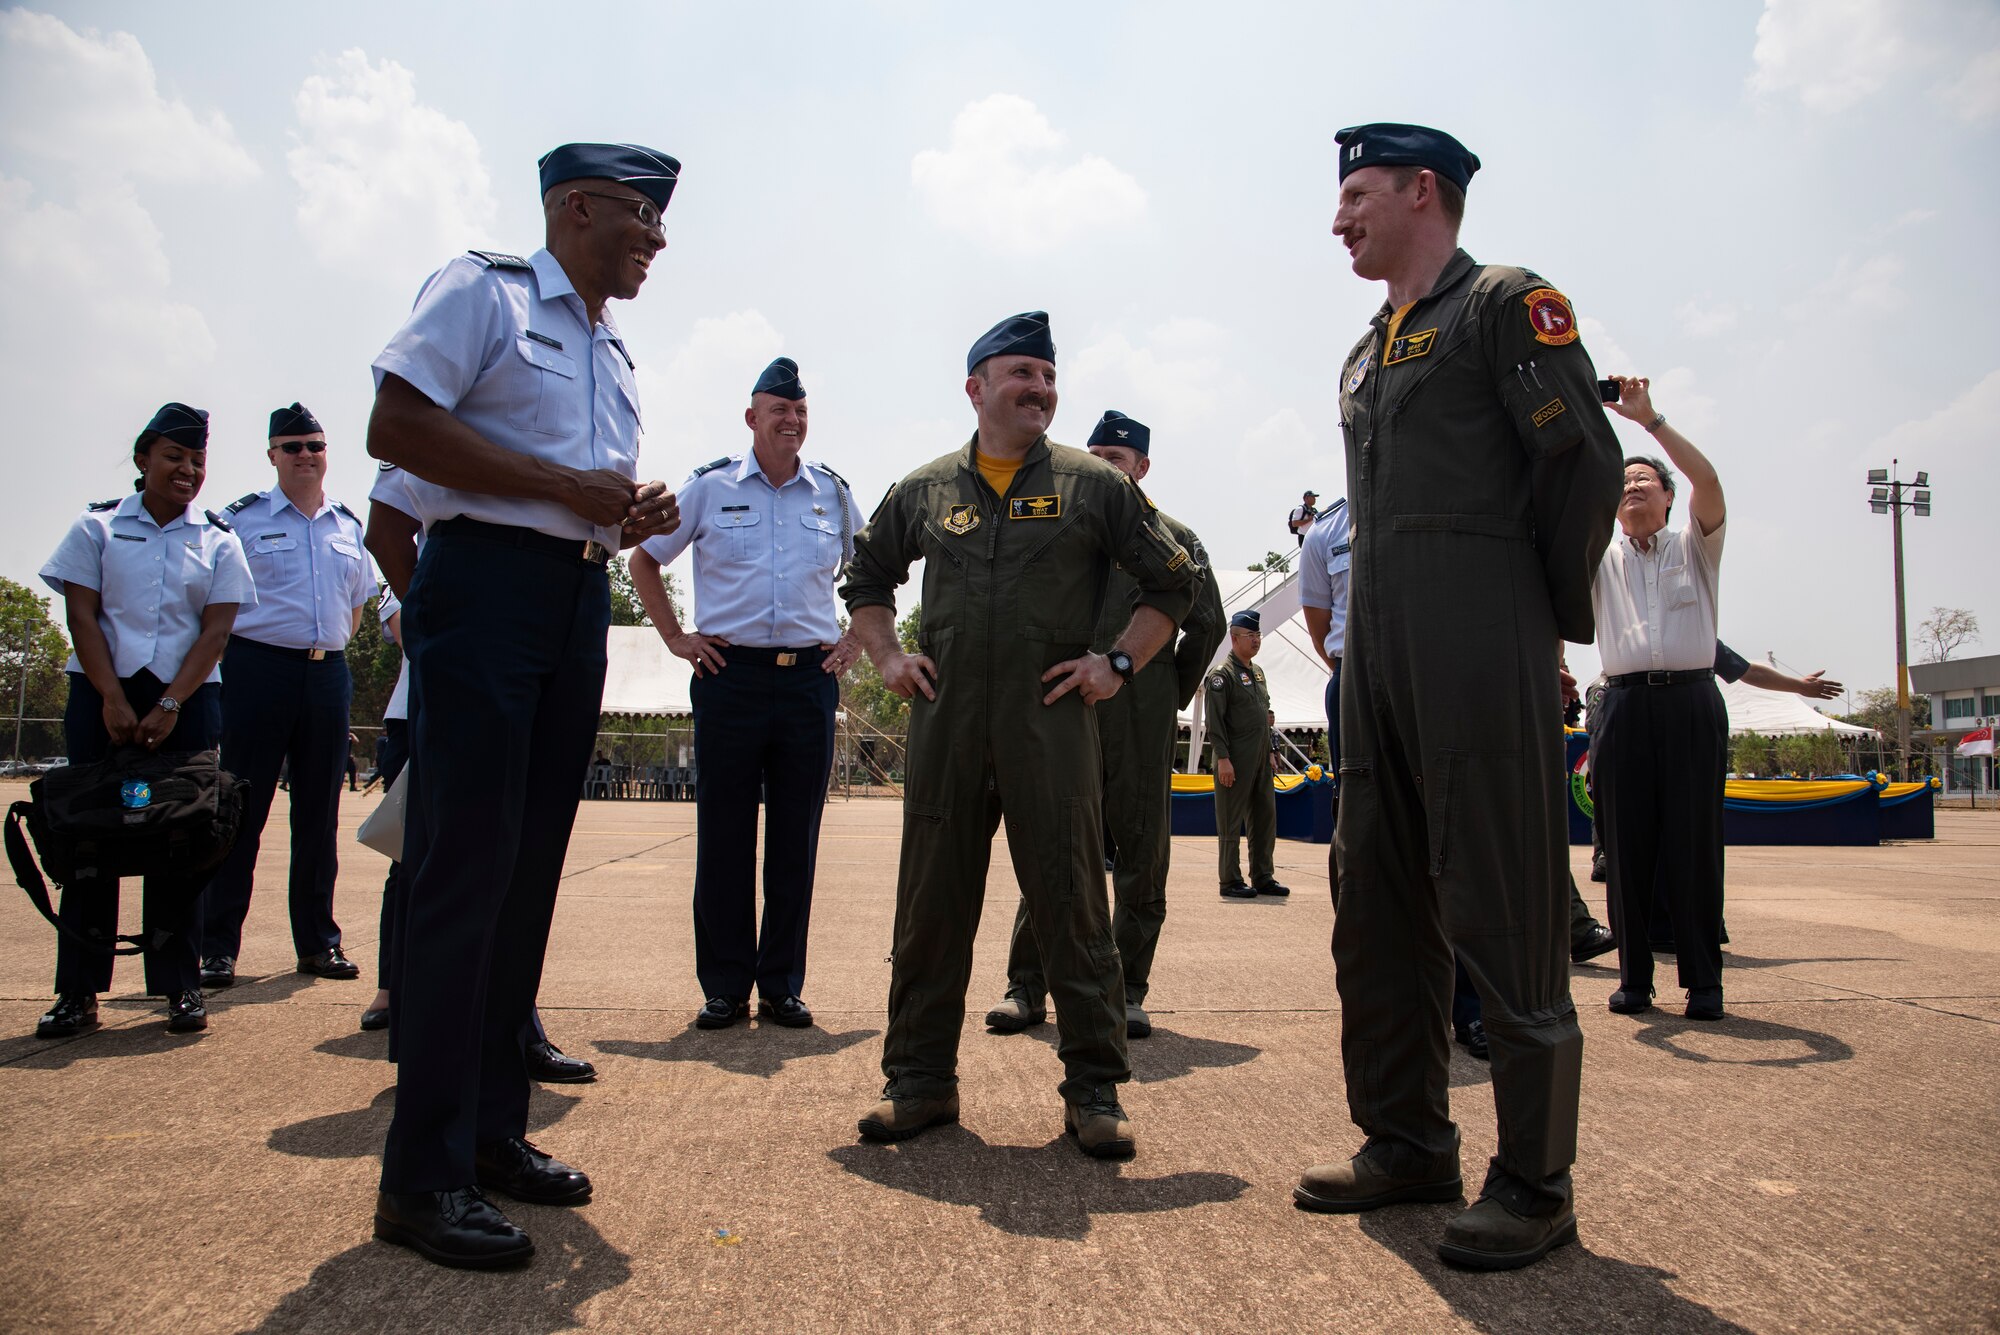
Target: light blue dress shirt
(1324,565)
(765,557)
(395,488)
(509,352)
(152,582)
(311,573)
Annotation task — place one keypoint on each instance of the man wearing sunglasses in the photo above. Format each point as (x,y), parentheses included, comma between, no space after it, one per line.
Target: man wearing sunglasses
(285,695)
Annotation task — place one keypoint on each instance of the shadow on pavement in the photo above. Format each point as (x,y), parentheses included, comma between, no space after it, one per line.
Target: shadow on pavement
(760,1050)
(1036,1191)
(361,1043)
(118,1038)
(260,991)
(1165,1055)
(358,1133)
(1543,1298)
(1727,1042)
(390,1288)
(1732,960)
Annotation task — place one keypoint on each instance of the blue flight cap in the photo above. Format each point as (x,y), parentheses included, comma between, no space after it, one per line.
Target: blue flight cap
(651,173)
(1249,620)
(781,377)
(1023,335)
(184,426)
(296,420)
(1115,428)
(1388,145)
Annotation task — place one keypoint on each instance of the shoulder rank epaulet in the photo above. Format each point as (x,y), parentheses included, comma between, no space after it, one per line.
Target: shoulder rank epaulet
(99,507)
(710,466)
(218,521)
(496,260)
(236,506)
(342,507)
(830,473)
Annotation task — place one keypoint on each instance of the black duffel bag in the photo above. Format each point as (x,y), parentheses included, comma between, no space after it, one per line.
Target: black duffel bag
(136,813)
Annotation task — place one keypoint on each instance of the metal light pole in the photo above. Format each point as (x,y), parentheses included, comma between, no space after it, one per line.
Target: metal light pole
(1886,496)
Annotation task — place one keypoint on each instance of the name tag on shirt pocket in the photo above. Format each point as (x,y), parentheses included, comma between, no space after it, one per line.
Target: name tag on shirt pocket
(548,359)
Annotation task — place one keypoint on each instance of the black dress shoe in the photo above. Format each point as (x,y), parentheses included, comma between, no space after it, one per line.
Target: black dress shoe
(74,1013)
(787,1011)
(1597,941)
(1704,1003)
(1238,891)
(329,963)
(187,1013)
(1472,1037)
(1632,1001)
(1273,888)
(516,1168)
(721,1012)
(218,971)
(374,1018)
(548,1064)
(456,1228)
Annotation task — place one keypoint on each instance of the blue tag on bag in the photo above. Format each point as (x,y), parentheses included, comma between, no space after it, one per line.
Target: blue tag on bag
(135,793)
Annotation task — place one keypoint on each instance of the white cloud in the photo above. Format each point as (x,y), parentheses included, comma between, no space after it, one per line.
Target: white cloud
(382,176)
(1958,434)
(1831,53)
(92,102)
(1178,375)
(1706,318)
(1006,181)
(694,409)
(1976,95)
(1874,286)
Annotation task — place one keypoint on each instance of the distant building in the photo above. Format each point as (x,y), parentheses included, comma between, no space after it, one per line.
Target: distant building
(1965,694)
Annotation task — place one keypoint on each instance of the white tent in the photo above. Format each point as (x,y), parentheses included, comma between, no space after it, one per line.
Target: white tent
(642,677)
(1292,671)
(1778,713)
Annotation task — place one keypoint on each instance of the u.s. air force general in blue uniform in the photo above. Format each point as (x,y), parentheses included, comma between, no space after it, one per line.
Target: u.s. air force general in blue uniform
(286,691)
(765,558)
(505,623)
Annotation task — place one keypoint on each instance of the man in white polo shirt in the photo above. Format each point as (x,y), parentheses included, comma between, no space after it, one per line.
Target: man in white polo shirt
(1662,744)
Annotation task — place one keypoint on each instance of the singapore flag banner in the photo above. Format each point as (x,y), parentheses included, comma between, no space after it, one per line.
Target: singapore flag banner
(1978,742)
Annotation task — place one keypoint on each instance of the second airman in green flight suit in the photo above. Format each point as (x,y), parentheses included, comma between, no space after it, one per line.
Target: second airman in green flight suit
(1136,731)
(1238,715)
(1017,536)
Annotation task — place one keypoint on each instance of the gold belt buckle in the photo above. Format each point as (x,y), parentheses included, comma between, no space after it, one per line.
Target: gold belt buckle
(787,659)
(315,654)
(596,553)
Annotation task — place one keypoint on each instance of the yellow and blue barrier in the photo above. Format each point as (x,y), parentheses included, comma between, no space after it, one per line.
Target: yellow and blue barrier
(1305,805)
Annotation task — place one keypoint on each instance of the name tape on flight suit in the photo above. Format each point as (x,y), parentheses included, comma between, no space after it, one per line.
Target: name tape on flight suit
(1408,347)
(1034,507)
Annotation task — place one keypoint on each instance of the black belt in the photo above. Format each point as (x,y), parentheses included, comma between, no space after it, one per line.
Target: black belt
(311,655)
(811,656)
(1659,678)
(586,551)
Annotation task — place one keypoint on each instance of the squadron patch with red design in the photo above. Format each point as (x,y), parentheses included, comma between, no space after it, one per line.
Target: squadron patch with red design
(1550,316)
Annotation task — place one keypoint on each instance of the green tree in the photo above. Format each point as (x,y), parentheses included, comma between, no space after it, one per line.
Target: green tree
(1878,710)
(1274,562)
(1941,633)
(373,661)
(1750,753)
(626,609)
(33,650)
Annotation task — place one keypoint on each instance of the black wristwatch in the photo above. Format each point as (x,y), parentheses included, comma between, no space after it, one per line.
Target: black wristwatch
(1121,663)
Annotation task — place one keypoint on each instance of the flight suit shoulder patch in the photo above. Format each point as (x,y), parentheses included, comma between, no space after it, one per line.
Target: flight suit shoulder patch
(1217,680)
(1550,317)
(495,259)
(99,507)
(236,506)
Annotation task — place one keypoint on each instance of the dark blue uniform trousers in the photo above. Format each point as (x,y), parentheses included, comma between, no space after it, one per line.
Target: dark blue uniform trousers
(507,656)
(758,726)
(279,705)
(171,904)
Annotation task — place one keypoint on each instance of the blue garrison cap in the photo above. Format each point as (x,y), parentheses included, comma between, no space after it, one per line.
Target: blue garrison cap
(651,173)
(296,420)
(781,377)
(1023,335)
(1249,620)
(1388,145)
(182,425)
(1115,428)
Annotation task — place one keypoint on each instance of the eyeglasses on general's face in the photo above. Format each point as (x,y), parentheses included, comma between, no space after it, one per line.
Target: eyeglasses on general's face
(294,446)
(649,216)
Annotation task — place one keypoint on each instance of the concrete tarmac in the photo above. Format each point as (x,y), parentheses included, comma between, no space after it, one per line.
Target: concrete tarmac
(1824,1159)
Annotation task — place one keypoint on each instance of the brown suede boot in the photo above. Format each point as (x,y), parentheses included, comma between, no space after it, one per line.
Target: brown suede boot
(1101,1129)
(900,1118)
(1373,1178)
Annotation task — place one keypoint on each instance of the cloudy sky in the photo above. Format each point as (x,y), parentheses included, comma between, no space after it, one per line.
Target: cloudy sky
(1784,214)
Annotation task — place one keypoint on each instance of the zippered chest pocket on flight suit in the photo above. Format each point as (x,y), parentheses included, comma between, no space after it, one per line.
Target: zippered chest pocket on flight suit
(1054,603)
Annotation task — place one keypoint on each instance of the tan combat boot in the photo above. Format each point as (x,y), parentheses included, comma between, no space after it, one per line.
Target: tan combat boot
(1100,1129)
(901,1118)
(1372,1179)
(1015,1013)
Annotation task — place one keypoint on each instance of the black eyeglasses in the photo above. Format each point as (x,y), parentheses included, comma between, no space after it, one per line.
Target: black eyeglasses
(649,217)
(294,446)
